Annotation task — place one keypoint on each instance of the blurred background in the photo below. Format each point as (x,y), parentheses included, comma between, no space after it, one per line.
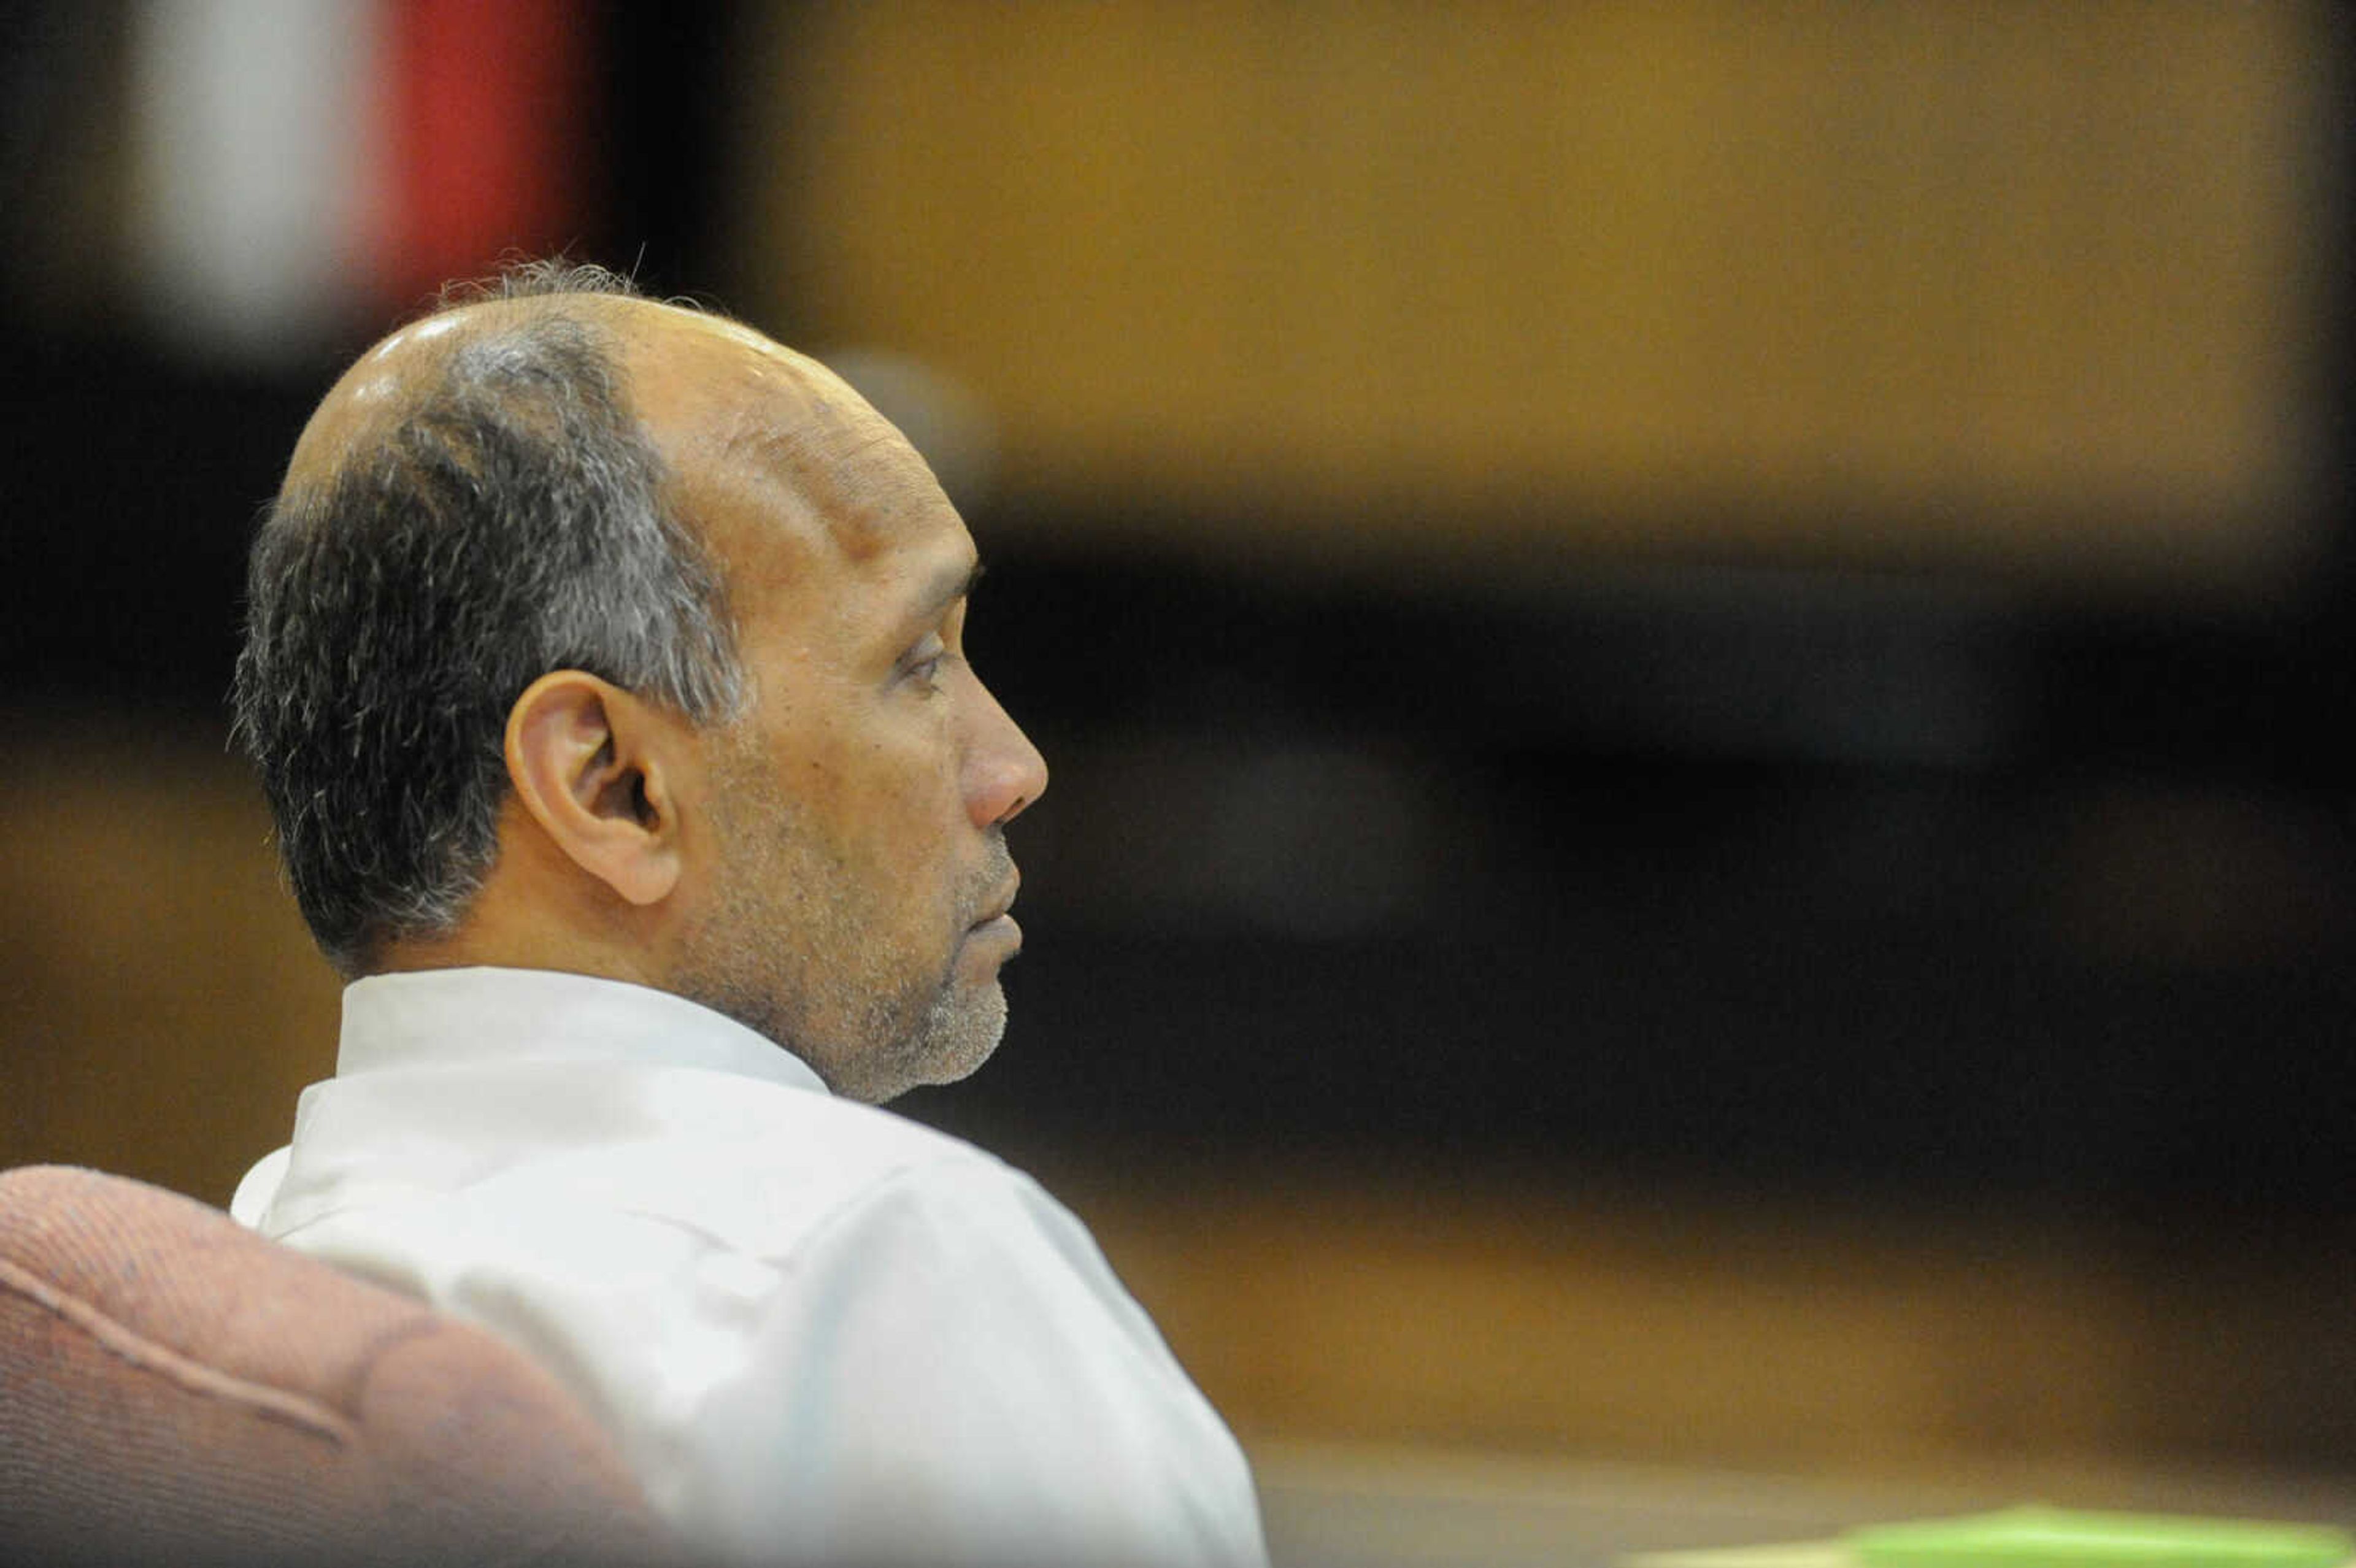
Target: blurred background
(1693,653)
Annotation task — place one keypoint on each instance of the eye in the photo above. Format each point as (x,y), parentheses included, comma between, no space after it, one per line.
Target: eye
(922,663)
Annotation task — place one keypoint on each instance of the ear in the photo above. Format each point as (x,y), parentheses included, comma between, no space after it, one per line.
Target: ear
(591,763)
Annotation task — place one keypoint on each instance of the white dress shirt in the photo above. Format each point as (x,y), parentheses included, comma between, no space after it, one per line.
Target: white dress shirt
(820,1332)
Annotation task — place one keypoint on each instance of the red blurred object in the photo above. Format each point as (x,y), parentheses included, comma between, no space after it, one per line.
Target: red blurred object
(485,101)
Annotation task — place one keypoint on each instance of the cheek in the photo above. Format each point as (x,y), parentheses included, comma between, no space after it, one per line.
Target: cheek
(879,779)
(900,802)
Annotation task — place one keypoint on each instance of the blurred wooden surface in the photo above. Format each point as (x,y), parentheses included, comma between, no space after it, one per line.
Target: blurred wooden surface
(1900,283)
(1682,1328)
(163,1003)
(163,1008)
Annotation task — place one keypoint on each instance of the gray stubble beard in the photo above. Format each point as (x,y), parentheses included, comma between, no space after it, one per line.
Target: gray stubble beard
(770,955)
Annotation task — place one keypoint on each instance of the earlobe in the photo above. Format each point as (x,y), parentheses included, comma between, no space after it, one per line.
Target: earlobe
(587,761)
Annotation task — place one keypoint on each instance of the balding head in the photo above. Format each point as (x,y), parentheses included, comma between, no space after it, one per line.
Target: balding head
(474,503)
(488,659)
(406,372)
(709,394)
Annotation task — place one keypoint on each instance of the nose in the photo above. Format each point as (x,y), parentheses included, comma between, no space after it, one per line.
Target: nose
(1003,771)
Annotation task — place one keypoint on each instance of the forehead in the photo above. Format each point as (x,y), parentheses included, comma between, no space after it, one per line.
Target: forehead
(772,453)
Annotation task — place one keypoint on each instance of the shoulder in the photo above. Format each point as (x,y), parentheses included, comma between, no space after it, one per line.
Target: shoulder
(959,1348)
(812,1204)
(916,1205)
(965,1213)
(768,1172)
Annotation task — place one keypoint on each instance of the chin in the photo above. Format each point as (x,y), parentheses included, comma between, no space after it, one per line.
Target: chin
(957,1034)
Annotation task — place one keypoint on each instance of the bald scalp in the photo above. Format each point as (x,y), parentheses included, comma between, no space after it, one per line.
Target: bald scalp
(707,391)
(400,375)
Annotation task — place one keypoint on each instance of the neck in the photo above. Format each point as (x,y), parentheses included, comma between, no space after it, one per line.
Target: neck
(511,927)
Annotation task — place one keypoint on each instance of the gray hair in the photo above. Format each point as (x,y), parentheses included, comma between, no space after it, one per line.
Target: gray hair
(508,523)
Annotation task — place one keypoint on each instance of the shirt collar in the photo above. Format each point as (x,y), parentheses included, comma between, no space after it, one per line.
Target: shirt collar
(449,1016)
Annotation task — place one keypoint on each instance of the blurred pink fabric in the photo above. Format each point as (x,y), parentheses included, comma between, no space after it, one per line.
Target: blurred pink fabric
(173,1388)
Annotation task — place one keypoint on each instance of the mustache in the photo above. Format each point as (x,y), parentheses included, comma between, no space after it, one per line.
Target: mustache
(987,880)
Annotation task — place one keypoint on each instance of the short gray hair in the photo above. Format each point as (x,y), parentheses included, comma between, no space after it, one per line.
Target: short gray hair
(509,522)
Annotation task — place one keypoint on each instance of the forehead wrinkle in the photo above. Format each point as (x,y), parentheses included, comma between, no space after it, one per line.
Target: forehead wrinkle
(838,476)
(802,455)
(793,447)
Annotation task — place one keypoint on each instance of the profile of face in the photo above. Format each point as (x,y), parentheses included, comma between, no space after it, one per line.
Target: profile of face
(851,879)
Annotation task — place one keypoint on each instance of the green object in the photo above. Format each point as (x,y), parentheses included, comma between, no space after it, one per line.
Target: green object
(2060,1537)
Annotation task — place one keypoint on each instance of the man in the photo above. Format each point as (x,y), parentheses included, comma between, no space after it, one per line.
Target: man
(605,674)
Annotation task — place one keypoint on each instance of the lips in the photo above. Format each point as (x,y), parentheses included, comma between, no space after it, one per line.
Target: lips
(1000,902)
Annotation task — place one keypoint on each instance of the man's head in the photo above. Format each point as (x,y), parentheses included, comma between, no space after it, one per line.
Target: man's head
(595,633)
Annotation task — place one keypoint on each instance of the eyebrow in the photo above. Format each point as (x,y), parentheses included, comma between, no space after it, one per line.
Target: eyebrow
(957,582)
